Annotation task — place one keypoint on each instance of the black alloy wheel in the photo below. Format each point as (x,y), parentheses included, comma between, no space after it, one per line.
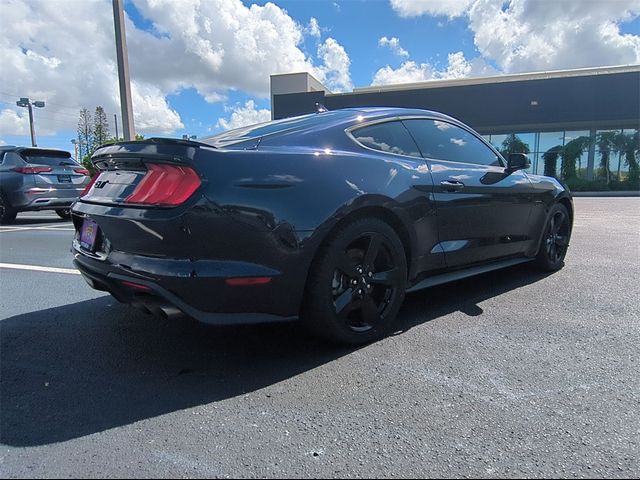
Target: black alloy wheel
(357,285)
(7,214)
(555,240)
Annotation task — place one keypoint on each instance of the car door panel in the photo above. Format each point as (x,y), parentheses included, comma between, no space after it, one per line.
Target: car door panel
(485,219)
(482,209)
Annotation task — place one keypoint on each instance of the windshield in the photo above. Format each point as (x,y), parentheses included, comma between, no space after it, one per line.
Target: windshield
(50,160)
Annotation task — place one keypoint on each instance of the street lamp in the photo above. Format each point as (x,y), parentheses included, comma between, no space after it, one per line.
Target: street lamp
(25,102)
(76,144)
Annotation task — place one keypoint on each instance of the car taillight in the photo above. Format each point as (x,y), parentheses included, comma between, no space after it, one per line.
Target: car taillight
(89,185)
(82,171)
(29,170)
(164,184)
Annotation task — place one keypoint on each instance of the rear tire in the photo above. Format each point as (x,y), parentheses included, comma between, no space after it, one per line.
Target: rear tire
(555,240)
(64,213)
(356,284)
(7,213)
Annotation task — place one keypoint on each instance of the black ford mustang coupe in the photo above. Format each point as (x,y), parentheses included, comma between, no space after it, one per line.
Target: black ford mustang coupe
(329,217)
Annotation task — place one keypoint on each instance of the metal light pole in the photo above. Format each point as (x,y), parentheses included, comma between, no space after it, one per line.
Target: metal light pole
(26,103)
(123,71)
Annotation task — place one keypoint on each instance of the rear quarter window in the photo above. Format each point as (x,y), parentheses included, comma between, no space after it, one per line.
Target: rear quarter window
(390,137)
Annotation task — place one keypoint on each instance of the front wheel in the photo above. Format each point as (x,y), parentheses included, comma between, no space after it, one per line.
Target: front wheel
(357,283)
(7,213)
(555,240)
(64,213)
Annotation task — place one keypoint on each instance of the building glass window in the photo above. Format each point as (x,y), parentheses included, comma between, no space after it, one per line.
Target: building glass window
(575,154)
(496,141)
(627,146)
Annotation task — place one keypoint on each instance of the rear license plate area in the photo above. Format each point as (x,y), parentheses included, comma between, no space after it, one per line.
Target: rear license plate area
(88,234)
(64,178)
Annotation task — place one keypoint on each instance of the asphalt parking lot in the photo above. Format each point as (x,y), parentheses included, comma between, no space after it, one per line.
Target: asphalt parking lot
(510,374)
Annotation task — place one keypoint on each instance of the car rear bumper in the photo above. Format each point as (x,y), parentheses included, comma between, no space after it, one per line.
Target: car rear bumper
(39,198)
(171,284)
(163,291)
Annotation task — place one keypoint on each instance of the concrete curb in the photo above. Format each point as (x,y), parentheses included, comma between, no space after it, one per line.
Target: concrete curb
(621,193)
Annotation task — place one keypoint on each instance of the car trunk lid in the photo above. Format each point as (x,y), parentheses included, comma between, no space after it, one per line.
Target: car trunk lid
(151,173)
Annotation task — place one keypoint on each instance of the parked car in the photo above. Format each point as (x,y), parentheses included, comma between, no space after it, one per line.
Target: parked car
(328,217)
(38,179)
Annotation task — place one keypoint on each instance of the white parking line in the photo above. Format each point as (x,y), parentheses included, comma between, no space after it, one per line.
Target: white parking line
(46,227)
(38,268)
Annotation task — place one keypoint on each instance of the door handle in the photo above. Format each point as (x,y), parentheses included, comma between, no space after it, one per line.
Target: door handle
(452,185)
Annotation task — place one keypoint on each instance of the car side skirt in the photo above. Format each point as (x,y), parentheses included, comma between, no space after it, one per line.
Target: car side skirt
(464,273)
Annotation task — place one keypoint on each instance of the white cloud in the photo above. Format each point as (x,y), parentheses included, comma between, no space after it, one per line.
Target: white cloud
(413,8)
(408,72)
(313,29)
(573,36)
(63,53)
(335,70)
(14,122)
(535,35)
(221,45)
(394,44)
(458,67)
(243,116)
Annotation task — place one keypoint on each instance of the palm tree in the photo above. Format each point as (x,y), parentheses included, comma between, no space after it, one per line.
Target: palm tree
(571,152)
(550,158)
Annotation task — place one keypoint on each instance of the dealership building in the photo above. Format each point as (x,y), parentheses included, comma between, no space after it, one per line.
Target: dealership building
(544,109)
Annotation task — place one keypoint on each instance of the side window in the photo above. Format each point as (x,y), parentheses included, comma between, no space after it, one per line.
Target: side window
(12,158)
(444,141)
(389,137)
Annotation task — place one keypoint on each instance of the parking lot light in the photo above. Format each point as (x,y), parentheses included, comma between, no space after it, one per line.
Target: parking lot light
(25,102)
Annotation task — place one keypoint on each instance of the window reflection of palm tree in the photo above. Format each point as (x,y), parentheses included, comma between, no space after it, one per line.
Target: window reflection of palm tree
(550,158)
(629,146)
(571,154)
(606,145)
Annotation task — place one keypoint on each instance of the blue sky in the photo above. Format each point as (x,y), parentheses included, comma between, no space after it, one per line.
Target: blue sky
(184,86)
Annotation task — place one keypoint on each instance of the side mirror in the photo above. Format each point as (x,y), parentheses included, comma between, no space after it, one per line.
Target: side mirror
(518,161)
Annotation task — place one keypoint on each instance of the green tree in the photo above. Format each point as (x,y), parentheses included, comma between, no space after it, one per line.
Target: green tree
(100,127)
(85,134)
(513,144)
(570,154)
(550,158)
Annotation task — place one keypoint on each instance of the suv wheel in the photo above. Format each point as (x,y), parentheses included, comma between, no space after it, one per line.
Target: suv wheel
(7,213)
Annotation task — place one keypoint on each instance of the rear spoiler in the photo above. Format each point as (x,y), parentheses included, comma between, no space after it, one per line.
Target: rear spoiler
(159,149)
(44,152)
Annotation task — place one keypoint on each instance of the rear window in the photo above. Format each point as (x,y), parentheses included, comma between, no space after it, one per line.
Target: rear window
(52,160)
(276,126)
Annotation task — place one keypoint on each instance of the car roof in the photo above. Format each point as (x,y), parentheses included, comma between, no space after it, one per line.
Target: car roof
(322,120)
(34,150)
